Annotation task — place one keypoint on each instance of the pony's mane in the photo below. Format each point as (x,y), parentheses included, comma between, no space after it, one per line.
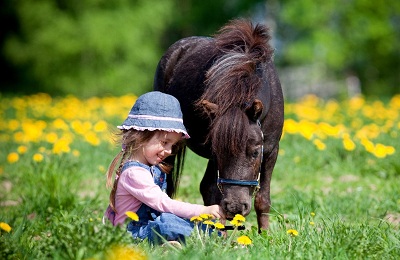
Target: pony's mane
(233,82)
(235,77)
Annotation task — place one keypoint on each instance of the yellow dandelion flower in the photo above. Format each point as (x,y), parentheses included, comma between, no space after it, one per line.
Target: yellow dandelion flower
(208,222)
(51,137)
(319,144)
(132,215)
(380,151)
(60,124)
(206,216)
(37,157)
(100,126)
(348,144)
(92,138)
(390,150)
(4,226)
(312,214)
(13,124)
(76,153)
(12,157)
(236,223)
(312,223)
(244,240)
(61,146)
(219,225)
(22,149)
(293,232)
(125,252)
(239,218)
(196,219)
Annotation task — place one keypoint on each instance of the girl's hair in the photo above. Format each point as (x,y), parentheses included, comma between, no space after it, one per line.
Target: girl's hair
(131,141)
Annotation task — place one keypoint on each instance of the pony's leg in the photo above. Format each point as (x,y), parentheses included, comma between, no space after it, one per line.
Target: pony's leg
(262,202)
(208,186)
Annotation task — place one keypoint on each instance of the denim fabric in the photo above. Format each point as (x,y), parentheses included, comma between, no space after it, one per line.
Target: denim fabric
(152,224)
(156,111)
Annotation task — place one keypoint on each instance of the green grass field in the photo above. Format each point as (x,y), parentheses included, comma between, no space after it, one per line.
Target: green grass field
(335,188)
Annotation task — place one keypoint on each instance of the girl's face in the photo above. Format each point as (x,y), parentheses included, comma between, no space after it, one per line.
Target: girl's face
(159,147)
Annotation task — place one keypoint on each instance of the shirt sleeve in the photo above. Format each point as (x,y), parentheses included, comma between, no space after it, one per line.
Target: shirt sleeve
(139,182)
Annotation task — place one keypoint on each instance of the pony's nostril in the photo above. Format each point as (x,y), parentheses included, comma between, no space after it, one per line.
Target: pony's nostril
(245,207)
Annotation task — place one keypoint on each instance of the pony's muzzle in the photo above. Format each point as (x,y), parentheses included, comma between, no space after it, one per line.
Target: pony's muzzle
(232,208)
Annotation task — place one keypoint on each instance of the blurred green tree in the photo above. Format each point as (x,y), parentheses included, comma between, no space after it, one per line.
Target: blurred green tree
(204,18)
(355,37)
(86,48)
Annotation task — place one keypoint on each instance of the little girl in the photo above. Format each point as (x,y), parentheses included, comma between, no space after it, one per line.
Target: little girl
(152,132)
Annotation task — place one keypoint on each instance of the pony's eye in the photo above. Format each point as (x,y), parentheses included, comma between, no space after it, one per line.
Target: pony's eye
(255,154)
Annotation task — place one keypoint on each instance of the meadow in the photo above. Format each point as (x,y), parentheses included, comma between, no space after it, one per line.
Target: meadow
(335,188)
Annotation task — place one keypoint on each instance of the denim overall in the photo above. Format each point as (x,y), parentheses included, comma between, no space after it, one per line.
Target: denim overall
(153,225)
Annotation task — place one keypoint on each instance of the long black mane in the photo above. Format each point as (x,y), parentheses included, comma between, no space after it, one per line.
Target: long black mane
(234,80)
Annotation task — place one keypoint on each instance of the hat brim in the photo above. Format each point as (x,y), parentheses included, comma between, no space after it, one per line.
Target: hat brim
(153,125)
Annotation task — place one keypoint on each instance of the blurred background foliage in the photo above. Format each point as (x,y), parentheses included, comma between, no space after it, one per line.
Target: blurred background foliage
(98,47)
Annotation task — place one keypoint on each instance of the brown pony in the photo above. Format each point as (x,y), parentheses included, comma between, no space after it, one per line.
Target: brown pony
(232,106)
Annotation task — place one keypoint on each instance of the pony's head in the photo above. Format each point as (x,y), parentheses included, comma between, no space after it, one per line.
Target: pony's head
(237,145)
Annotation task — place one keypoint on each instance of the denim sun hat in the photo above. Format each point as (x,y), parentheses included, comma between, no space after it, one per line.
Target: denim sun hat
(156,111)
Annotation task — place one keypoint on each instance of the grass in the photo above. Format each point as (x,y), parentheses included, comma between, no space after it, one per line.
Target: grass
(55,205)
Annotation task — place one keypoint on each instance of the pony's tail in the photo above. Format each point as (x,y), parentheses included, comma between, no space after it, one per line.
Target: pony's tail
(241,35)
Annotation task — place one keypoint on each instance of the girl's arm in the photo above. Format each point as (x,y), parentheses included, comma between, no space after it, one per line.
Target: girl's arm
(139,183)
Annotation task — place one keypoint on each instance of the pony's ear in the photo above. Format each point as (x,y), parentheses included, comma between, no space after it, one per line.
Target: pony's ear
(255,110)
(210,108)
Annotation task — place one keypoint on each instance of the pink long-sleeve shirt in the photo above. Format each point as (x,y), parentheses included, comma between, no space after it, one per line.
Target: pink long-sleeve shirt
(136,186)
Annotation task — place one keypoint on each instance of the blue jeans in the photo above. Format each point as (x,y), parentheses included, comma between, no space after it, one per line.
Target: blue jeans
(158,227)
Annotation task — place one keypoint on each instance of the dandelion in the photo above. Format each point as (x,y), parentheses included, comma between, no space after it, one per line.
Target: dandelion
(319,144)
(22,149)
(244,240)
(51,137)
(312,214)
(196,219)
(100,126)
(37,157)
(206,216)
(348,144)
(380,151)
(4,226)
(76,153)
(312,223)
(92,138)
(293,232)
(61,146)
(125,252)
(132,215)
(219,226)
(238,220)
(208,223)
(12,157)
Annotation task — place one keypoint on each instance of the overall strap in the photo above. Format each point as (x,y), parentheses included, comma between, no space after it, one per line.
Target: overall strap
(159,177)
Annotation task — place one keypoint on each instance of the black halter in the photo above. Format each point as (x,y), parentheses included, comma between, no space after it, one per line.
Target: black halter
(256,183)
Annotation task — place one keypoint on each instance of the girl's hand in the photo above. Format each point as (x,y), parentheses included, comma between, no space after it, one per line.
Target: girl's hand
(214,210)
